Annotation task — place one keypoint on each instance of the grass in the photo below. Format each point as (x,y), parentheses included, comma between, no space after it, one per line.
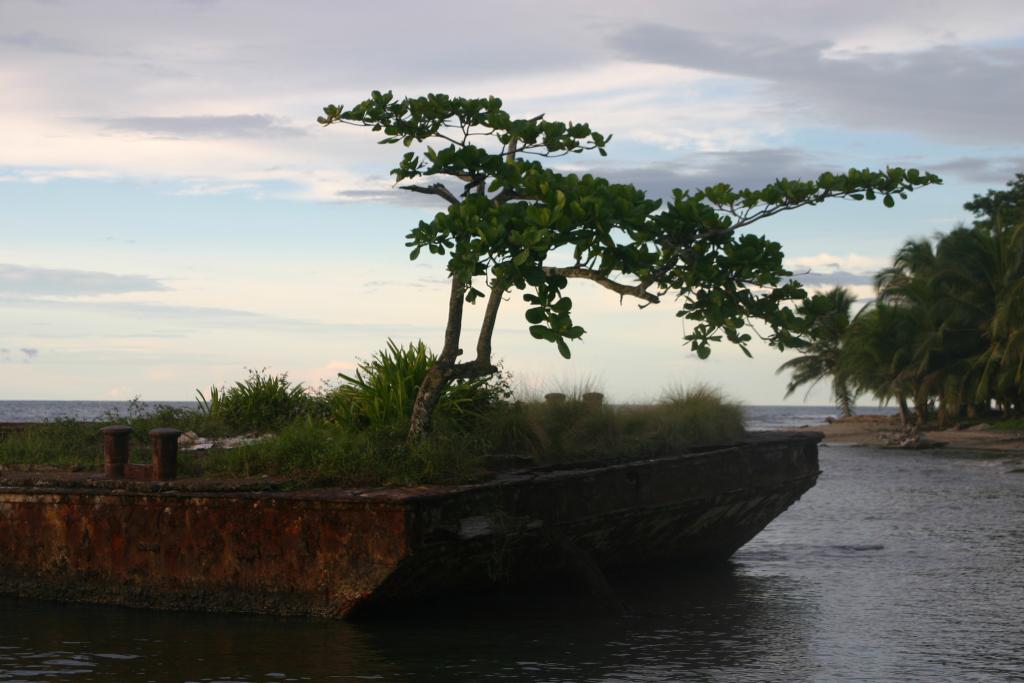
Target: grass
(1011,425)
(353,433)
(64,442)
(577,429)
(316,450)
(325,453)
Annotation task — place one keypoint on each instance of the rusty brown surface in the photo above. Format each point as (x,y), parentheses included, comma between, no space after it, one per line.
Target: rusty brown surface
(250,554)
(327,551)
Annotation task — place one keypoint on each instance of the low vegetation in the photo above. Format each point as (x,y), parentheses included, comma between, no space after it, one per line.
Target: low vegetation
(353,432)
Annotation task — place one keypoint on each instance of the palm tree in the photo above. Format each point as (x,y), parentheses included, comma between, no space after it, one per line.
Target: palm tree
(827,316)
(998,366)
(947,327)
(876,354)
(909,285)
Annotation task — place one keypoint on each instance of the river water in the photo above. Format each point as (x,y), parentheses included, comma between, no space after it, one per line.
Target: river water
(895,567)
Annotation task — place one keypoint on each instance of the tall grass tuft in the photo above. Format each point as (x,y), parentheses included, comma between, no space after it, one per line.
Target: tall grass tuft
(576,429)
(691,417)
(260,402)
(383,389)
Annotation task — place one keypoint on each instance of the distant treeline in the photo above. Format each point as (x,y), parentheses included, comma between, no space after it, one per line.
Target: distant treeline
(945,334)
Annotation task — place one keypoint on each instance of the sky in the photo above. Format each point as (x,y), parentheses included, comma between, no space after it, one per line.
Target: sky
(171,214)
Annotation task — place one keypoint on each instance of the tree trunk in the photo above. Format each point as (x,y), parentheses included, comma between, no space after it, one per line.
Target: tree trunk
(427,398)
(438,377)
(841,393)
(445,370)
(920,411)
(904,411)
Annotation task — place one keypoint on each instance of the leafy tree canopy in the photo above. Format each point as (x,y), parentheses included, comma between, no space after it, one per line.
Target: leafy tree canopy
(1006,206)
(513,222)
(512,213)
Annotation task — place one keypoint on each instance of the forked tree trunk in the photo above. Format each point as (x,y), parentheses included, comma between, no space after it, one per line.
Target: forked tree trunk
(445,370)
(441,373)
(427,398)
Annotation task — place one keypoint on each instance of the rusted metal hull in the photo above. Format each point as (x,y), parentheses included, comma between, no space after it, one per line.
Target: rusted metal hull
(330,552)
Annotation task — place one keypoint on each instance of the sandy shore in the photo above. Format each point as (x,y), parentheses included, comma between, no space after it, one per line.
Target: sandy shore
(873,430)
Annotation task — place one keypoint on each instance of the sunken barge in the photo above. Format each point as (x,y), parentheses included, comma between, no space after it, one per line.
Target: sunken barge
(188,545)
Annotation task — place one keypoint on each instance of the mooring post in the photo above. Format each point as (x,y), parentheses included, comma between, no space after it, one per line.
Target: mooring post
(554,397)
(594,399)
(115,450)
(164,442)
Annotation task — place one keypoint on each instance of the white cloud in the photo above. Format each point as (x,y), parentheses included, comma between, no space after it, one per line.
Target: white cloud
(825,262)
(217,94)
(31,281)
(951,91)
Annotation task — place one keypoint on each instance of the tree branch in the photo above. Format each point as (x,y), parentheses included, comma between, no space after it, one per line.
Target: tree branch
(483,344)
(637,291)
(436,189)
(453,330)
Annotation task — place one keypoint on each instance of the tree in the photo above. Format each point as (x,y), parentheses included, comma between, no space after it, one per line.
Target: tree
(827,319)
(512,222)
(876,353)
(1006,206)
(948,325)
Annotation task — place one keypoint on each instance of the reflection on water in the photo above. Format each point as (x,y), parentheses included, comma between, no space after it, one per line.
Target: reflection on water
(895,567)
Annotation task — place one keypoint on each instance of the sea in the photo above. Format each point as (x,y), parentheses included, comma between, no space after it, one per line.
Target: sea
(758,417)
(897,566)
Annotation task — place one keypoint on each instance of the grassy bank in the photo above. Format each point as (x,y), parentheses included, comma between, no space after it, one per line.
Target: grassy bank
(326,450)
(353,433)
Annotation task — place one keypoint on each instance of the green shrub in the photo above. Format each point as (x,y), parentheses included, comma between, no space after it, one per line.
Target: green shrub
(260,402)
(382,390)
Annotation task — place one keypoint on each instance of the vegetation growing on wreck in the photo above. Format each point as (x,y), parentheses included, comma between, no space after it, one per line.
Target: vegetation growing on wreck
(513,223)
(353,433)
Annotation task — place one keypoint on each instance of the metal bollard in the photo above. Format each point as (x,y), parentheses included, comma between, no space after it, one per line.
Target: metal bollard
(594,399)
(115,450)
(164,442)
(554,397)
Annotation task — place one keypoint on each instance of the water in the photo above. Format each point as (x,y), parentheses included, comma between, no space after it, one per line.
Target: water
(758,417)
(786,417)
(897,566)
(39,411)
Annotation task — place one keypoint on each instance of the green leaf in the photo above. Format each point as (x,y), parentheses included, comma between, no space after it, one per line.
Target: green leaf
(563,305)
(535,315)
(889,201)
(563,349)
(538,331)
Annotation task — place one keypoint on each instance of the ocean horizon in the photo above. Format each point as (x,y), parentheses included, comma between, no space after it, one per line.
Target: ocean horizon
(759,417)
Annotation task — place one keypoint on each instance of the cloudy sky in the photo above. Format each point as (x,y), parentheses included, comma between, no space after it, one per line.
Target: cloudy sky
(171,213)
